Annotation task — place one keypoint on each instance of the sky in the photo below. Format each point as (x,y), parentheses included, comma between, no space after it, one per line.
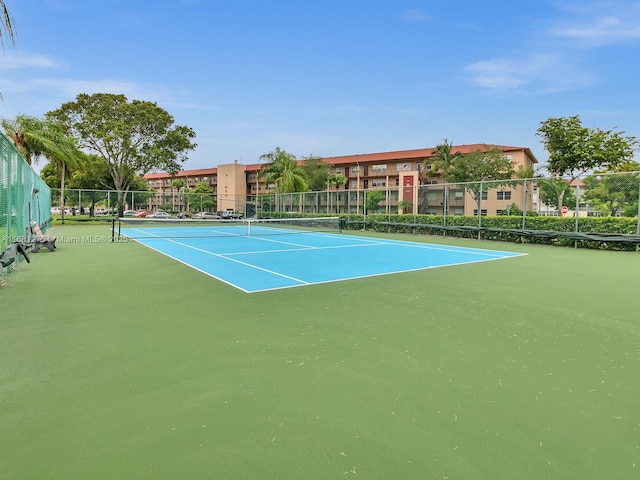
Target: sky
(334,77)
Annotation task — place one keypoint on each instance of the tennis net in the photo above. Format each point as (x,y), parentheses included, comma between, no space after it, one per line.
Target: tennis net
(150,228)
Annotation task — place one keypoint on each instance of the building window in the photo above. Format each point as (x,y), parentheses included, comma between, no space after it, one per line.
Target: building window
(504,195)
(432,197)
(431,182)
(378,183)
(355,170)
(459,195)
(403,167)
(483,212)
(338,171)
(379,168)
(458,211)
(353,184)
(484,195)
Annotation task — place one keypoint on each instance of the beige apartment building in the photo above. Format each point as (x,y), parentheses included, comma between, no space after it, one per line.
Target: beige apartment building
(399,174)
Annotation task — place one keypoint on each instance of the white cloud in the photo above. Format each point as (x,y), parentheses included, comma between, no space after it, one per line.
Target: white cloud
(496,73)
(415,15)
(23,60)
(601,23)
(536,73)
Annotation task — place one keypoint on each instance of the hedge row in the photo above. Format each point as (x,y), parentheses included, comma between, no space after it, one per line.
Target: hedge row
(620,233)
(534,229)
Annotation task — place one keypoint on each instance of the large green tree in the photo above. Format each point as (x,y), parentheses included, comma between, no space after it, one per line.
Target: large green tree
(317,172)
(374,197)
(480,170)
(134,137)
(614,191)
(283,171)
(575,150)
(201,197)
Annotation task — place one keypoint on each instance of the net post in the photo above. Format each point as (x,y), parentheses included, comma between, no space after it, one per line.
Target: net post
(113,230)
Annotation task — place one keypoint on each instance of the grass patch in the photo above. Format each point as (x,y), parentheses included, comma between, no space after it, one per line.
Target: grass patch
(117,362)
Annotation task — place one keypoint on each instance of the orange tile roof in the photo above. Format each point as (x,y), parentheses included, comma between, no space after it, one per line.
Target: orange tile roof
(398,155)
(418,154)
(184,173)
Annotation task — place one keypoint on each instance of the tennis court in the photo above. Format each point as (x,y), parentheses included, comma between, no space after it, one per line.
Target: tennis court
(119,362)
(263,255)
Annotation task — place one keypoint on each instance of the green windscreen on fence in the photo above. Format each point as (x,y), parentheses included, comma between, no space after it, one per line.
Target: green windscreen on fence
(24,197)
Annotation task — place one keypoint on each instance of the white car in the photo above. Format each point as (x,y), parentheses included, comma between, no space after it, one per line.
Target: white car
(160,215)
(206,215)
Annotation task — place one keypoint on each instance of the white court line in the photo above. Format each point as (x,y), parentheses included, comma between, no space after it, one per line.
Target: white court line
(218,255)
(366,242)
(362,242)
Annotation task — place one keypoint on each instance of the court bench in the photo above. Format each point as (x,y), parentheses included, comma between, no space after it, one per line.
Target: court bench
(36,240)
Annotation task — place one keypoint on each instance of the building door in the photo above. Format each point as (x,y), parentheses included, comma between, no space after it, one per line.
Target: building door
(407,188)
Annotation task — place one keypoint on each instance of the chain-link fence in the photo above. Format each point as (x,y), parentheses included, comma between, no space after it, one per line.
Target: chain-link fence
(535,209)
(24,197)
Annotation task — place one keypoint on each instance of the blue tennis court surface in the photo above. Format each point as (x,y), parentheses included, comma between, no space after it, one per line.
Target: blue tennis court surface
(258,263)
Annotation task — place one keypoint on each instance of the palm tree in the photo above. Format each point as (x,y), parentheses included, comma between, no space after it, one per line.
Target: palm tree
(444,159)
(176,185)
(283,171)
(337,179)
(67,159)
(404,205)
(30,135)
(35,138)
(6,25)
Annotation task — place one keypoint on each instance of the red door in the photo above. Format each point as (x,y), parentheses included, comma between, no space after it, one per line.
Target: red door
(407,190)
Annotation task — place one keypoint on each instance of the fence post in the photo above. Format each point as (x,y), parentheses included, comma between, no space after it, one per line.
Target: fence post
(524,205)
(445,209)
(480,209)
(638,221)
(364,210)
(576,228)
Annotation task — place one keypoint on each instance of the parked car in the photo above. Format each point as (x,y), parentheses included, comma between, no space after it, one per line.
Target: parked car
(229,213)
(141,213)
(129,213)
(160,215)
(56,211)
(206,215)
(184,215)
